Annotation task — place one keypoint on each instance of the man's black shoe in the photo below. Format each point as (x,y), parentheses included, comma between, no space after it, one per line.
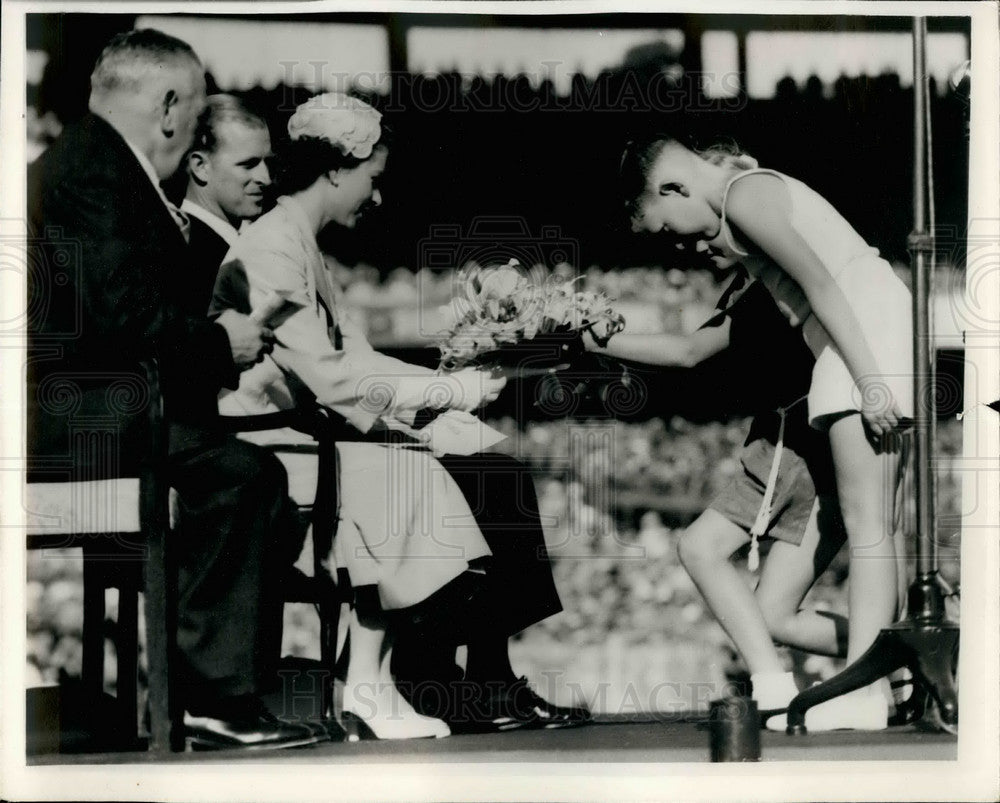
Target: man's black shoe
(244,722)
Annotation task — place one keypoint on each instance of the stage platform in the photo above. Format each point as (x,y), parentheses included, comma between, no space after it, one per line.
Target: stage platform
(643,738)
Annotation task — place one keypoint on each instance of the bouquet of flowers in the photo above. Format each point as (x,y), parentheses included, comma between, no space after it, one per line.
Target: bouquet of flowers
(506,319)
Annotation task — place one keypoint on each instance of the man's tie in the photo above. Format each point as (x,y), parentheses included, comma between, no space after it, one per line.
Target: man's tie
(182,220)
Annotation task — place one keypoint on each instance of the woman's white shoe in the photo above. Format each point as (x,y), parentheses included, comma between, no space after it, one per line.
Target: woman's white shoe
(387,715)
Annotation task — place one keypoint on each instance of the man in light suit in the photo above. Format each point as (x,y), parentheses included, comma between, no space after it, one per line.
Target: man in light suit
(98,188)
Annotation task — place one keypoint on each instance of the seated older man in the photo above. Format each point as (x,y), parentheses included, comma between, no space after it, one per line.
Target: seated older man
(98,187)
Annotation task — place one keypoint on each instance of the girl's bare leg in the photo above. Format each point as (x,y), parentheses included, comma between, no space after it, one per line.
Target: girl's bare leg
(705,549)
(788,574)
(866,487)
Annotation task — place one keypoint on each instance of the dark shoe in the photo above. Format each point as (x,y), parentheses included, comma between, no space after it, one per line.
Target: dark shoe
(503,707)
(328,729)
(244,722)
(473,709)
(537,712)
(911,709)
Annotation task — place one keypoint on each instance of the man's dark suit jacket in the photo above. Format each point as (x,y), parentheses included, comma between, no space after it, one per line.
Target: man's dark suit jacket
(205,253)
(105,290)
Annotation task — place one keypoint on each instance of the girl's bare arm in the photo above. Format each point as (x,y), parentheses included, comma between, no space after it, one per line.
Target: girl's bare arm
(678,351)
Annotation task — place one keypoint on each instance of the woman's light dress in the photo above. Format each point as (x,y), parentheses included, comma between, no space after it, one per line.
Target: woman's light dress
(404,525)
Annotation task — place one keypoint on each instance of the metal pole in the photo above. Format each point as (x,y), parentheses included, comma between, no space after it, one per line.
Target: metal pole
(925,641)
(922,247)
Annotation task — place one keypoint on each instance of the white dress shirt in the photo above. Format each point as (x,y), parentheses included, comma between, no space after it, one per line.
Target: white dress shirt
(219,225)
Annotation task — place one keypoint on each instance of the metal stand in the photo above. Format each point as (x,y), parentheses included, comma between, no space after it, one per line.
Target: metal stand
(925,641)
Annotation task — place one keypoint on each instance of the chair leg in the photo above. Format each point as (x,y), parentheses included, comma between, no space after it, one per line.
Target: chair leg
(92,670)
(329,618)
(161,628)
(127,650)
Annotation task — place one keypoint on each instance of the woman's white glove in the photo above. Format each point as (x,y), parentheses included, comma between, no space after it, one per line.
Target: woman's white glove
(467,390)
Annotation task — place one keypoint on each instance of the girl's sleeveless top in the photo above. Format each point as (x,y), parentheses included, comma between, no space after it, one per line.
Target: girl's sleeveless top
(831,238)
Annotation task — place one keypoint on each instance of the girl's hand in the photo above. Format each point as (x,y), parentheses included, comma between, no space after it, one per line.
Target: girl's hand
(589,344)
(881,414)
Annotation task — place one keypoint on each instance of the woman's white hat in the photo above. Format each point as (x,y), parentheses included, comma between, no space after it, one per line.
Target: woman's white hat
(348,123)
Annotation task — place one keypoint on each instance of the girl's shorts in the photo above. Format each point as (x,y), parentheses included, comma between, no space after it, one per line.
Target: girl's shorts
(794,492)
(882,305)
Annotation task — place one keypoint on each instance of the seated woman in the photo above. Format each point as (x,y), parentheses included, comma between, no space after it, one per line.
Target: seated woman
(406,528)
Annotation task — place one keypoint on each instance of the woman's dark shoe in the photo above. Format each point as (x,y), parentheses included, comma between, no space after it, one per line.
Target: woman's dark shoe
(244,723)
(540,712)
(506,707)
(473,711)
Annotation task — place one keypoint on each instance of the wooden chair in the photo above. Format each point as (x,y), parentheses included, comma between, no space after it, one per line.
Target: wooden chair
(320,510)
(122,525)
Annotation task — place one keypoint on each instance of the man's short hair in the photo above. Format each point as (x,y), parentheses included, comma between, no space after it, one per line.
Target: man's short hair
(131,57)
(219,109)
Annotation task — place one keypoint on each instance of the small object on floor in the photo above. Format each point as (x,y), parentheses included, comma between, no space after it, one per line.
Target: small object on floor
(735,730)
(245,723)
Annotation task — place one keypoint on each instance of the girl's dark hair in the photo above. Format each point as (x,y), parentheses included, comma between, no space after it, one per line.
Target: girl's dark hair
(299,162)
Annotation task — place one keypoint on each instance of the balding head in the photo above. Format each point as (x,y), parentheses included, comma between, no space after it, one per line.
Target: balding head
(151,88)
(131,59)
